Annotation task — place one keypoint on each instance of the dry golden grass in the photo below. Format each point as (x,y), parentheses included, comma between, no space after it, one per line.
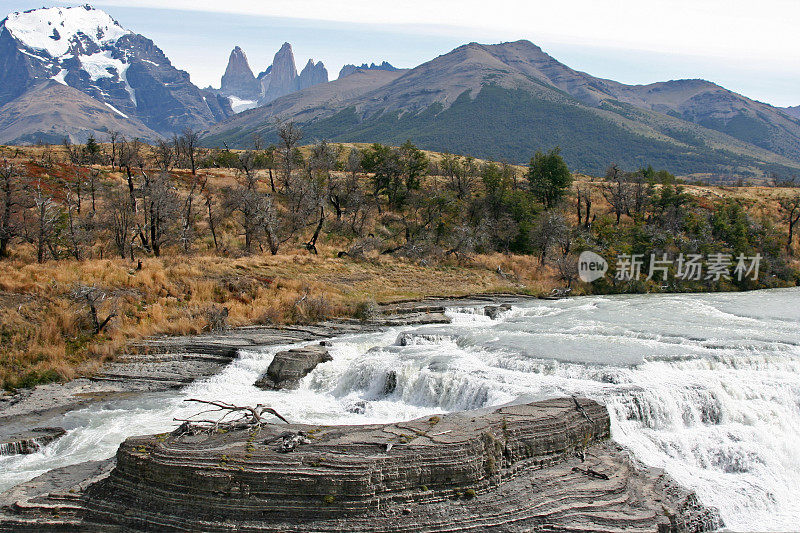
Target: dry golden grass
(46,334)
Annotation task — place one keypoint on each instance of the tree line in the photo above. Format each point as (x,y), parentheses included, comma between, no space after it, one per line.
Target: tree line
(376,199)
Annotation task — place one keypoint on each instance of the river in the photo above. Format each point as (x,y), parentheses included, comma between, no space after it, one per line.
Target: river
(706,386)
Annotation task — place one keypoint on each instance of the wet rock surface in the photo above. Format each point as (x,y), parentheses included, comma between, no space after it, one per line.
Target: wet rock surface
(516,468)
(494,311)
(290,366)
(28,441)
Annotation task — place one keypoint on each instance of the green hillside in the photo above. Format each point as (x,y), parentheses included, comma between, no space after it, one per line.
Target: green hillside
(511,124)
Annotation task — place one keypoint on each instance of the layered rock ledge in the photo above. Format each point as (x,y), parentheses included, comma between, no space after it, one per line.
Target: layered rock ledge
(544,466)
(29,441)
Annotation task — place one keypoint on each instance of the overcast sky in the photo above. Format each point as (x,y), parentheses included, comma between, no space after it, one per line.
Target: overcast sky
(747,46)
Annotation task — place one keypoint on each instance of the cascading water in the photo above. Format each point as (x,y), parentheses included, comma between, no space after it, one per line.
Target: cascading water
(705,386)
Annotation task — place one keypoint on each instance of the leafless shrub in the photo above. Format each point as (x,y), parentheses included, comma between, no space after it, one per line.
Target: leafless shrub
(366,310)
(93,298)
(217,318)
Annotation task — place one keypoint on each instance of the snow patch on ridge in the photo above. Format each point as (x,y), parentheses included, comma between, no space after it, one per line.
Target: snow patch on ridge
(61,77)
(101,65)
(115,110)
(238,105)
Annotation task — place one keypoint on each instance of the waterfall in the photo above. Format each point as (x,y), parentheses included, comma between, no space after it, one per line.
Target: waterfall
(704,386)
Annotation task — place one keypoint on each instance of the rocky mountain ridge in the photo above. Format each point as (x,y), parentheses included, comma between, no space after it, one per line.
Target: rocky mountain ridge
(350,68)
(51,112)
(792,111)
(513,98)
(238,79)
(84,48)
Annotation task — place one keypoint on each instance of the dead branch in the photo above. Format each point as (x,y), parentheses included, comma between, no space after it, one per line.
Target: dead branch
(234,417)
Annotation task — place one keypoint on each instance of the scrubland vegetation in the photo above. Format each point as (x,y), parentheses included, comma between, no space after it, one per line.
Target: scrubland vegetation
(103,244)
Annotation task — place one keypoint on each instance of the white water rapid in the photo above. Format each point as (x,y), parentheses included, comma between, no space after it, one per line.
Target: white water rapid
(706,386)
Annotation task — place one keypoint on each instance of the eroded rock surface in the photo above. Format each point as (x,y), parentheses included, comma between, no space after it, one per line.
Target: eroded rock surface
(516,468)
(238,79)
(28,441)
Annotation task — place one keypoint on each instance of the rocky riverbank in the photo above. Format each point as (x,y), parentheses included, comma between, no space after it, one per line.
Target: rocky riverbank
(164,363)
(545,466)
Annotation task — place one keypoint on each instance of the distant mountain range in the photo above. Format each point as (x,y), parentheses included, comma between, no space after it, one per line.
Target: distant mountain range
(75,72)
(507,100)
(246,91)
(350,69)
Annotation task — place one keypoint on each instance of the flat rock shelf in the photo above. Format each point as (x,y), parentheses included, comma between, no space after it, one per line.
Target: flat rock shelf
(543,466)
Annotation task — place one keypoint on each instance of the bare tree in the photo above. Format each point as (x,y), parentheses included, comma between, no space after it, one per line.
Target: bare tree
(637,197)
(94,176)
(130,158)
(250,201)
(113,138)
(584,206)
(73,210)
(615,191)
(118,219)
(161,202)
(77,189)
(550,231)
(270,165)
(459,173)
(188,147)
(48,215)
(567,268)
(164,154)
(198,184)
(346,195)
(74,151)
(11,202)
(94,297)
(790,208)
(311,245)
(289,134)
(210,202)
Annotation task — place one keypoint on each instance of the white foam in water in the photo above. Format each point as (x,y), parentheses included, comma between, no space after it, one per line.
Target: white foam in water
(705,386)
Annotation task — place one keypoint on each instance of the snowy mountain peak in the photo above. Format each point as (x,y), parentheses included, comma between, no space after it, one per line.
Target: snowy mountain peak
(85,49)
(57,31)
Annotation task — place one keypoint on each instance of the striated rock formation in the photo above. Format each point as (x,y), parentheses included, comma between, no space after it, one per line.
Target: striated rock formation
(312,74)
(350,69)
(289,367)
(238,79)
(30,441)
(516,468)
(219,105)
(281,77)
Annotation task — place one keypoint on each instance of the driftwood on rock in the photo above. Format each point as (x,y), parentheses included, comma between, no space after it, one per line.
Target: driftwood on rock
(243,417)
